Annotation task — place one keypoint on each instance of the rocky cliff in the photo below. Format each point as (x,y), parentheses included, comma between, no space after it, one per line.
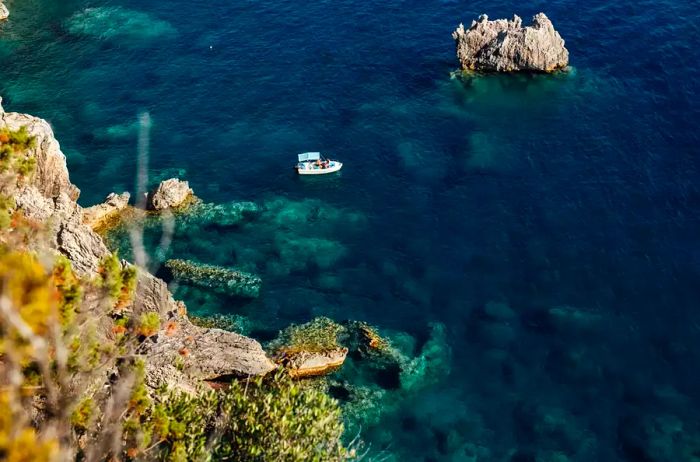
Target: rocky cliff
(4,12)
(506,46)
(49,198)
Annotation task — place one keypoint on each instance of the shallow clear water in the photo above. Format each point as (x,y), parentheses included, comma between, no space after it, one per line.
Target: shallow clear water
(577,191)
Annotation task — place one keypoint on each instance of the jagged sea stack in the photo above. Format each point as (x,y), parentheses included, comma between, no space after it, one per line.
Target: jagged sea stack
(506,46)
(4,12)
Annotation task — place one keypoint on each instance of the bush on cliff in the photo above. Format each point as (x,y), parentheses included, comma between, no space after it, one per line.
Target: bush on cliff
(254,420)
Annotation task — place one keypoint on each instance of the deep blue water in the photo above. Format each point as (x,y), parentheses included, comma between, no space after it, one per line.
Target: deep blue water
(578,191)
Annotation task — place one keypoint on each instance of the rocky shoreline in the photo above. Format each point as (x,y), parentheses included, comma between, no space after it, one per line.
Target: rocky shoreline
(4,12)
(50,198)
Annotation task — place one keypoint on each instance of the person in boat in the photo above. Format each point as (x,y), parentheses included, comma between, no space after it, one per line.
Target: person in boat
(318,162)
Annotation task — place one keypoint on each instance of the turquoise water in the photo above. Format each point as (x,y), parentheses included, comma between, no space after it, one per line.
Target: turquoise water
(531,241)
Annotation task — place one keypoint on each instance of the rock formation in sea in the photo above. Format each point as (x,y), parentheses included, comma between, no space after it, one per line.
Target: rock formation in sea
(49,198)
(311,349)
(4,12)
(169,194)
(506,46)
(226,281)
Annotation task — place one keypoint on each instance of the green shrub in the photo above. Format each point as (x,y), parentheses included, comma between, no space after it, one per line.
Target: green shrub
(149,324)
(13,147)
(119,281)
(259,420)
(321,334)
(7,205)
(69,290)
(278,419)
(82,414)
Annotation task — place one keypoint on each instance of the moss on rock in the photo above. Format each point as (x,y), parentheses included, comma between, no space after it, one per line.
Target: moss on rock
(226,281)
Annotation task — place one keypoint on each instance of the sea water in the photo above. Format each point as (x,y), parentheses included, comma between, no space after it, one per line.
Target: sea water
(530,242)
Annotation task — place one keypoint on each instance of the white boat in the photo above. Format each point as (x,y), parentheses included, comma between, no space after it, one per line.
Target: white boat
(313,163)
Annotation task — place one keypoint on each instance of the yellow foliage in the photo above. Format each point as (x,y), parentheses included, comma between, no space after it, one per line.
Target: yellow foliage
(27,286)
(23,445)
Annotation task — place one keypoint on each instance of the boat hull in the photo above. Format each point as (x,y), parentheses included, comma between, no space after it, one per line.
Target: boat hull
(334,167)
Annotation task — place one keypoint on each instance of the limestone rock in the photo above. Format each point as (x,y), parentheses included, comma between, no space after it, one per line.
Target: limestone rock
(152,295)
(201,355)
(84,249)
(506,46)
(101,214)
(4,12)
(51,174)
(226,281)
(301,364)
(64,228)
(35,205)
(170,193)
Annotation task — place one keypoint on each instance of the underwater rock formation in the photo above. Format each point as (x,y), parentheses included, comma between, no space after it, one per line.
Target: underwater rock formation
(506,46)
(228,214)
(117,23)
(223,280)
(169,194)
(4,12)
(99,215)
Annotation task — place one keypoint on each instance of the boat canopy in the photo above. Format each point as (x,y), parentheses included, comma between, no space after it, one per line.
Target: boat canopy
(309,156)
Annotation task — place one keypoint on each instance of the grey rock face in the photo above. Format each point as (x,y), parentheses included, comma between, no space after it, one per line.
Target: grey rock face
(507,46)
(152,295)
(4,12)
(203,354)
(200,355)
(97,215)
(65,231)
(170,194)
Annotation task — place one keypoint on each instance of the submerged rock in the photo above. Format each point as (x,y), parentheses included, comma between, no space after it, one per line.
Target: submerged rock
(116,23)
(226,281)
(4,12)
(169,194)
(506,46)
(99,215)
(227,214)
